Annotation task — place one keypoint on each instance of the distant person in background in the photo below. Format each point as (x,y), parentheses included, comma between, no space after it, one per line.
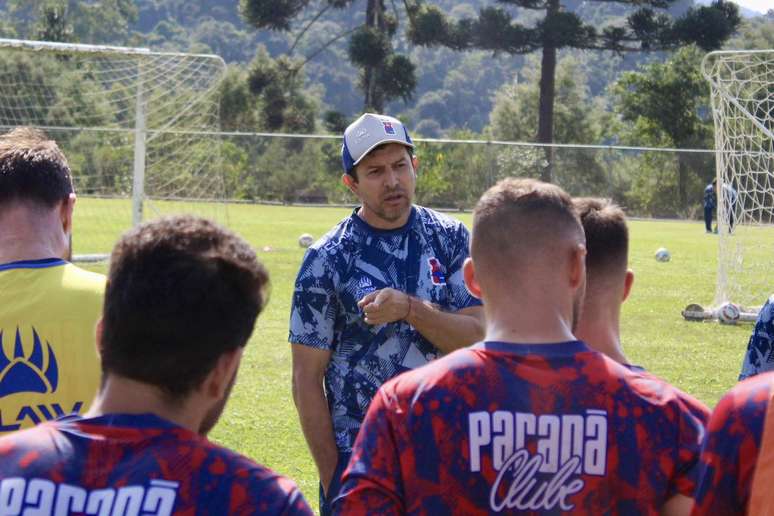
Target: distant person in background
(182,298)
(530,421)
(380,294)
(759,357)
(710,204)
(48,307)
(729,198)
(737,459)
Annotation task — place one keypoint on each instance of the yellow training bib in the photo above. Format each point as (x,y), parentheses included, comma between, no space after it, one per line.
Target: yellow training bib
(49,365)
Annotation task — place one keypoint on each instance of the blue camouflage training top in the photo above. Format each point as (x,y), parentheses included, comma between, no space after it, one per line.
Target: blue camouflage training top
(759,357)
(423,258)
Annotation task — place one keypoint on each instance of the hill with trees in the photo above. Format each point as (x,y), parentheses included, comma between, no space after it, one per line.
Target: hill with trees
(300,79)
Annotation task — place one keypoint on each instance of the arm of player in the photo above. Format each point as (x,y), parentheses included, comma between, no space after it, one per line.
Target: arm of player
(729,454)
(678,505)
(445,330)
(372,481)
(309,365)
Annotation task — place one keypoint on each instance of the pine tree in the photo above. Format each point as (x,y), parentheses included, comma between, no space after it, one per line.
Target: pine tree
(650,27)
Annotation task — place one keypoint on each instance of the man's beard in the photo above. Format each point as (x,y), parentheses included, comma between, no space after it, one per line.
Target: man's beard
(395,214)
(212,416)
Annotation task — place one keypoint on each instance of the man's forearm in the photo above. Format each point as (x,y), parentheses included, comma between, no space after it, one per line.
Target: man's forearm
(446,330)
(317,426)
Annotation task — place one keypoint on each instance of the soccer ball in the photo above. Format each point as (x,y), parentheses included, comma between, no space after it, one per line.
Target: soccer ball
(662,254)
(729,313)
(305,240)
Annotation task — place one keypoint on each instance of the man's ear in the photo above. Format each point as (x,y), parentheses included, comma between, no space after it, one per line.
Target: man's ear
(415,164)
(469,273)
(217,382)
(349,182)
(578,266)
(66,213)
(628,282)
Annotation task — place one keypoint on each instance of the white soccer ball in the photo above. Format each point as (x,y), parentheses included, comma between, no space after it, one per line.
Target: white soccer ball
(729,313)
(663,255)
(305,240)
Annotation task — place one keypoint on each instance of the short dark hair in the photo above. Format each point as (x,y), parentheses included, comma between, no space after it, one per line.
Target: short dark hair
(517,217)
(181,292)
(353,171)
(32,168)
(607,237)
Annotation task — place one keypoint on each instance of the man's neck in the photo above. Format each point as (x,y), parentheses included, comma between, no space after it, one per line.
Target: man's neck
(509,322)
(121,395)
(600,330)
(12,250)
(25,235)
(604,339)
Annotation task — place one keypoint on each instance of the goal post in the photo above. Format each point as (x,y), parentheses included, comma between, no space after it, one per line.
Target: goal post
(742,92)
(139,128)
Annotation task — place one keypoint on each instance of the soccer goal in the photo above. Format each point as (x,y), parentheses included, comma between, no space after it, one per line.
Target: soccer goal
(139,128)
(742,86)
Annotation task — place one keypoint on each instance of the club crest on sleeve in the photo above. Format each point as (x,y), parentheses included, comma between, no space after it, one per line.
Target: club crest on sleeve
(436,271)
(388,128)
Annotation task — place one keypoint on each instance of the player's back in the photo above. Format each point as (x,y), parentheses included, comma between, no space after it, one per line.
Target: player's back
(537,429)
(48,358)
(136,464)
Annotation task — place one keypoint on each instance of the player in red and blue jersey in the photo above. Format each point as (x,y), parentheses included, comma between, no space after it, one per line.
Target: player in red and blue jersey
(608,284)
(737,458)
(181,302)
(531,420)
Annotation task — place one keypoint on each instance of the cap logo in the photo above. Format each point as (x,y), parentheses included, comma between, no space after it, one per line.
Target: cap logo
(360,135)
(388,128)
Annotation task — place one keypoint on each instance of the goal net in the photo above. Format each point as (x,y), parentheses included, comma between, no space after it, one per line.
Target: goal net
(742,85)
(139,129)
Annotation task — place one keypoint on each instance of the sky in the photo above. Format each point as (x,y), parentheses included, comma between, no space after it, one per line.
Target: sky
(757,5)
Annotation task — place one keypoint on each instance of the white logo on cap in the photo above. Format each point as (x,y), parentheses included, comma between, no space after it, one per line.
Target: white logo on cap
(361,134)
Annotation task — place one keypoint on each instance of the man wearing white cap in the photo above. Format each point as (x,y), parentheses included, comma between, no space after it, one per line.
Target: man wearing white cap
(380,294)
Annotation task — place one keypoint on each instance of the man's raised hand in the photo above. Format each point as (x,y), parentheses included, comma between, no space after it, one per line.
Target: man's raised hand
(385,306)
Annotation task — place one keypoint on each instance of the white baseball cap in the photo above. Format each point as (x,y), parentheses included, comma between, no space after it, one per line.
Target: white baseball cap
(368,132)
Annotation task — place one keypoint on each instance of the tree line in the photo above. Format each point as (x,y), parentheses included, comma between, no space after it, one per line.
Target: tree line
(556,67)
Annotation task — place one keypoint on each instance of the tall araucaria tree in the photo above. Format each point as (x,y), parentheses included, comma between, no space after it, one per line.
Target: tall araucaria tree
(385,75)
(648,28)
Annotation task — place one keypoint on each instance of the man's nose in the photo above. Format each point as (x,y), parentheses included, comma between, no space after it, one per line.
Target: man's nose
(391,178)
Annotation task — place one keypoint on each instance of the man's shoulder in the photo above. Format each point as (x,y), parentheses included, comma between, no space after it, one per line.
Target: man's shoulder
(84,280)
(433,219)
(339,238)
(258,484)
(441,373)
(31,442)
(748,400)
(658,390)
(241,466)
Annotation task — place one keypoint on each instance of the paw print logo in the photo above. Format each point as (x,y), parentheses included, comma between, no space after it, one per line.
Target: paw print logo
(25,373)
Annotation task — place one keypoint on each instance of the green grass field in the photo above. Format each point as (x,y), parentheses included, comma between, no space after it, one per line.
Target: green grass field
(260,420)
